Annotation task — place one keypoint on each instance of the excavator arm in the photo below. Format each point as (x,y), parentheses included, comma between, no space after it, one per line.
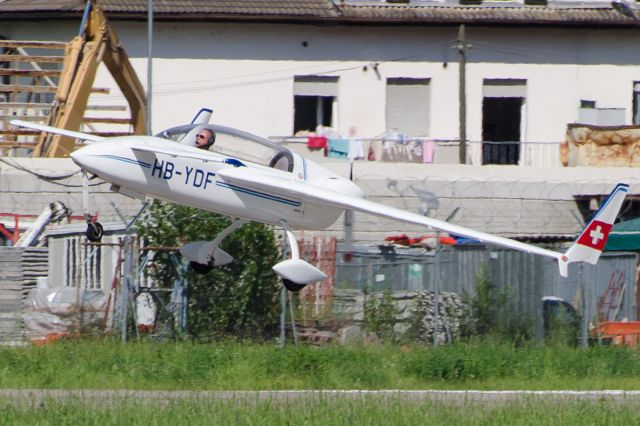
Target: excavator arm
(83,55)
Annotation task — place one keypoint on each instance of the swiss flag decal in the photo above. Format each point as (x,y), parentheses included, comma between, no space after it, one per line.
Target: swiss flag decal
(595,236)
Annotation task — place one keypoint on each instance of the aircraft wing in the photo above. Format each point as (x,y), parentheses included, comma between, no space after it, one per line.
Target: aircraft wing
(311,193)
(55,130)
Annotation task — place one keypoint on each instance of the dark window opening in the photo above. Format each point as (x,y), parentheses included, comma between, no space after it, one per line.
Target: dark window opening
(584,103)
(311,111)
(636,104)
(501,120)
(589,205)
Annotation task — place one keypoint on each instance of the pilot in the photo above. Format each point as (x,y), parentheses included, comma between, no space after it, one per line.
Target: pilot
(205,138)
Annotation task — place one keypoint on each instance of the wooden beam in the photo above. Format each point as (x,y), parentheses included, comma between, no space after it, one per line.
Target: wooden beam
(105,107)
(17,144)
(106,120)
(33,44)
(24,105)
(29,73)
(23,58)
(42,118)
(14,88)
(19,132)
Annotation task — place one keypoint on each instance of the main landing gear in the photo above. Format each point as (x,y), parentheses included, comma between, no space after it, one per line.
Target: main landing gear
(295,272)
(204,255)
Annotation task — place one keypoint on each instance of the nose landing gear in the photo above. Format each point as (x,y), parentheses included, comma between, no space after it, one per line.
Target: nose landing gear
(94,231)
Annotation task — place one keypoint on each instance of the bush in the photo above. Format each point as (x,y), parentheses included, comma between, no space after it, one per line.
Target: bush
(239,299)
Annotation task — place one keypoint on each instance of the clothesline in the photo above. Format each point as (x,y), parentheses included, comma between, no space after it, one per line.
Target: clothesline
(413,150)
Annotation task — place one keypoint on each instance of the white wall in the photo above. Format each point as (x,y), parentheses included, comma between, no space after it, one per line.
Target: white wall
(245,71)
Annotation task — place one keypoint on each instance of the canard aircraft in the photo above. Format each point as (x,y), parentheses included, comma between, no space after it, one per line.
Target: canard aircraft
(250,178)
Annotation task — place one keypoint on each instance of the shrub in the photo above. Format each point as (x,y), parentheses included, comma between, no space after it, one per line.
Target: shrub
(239,299)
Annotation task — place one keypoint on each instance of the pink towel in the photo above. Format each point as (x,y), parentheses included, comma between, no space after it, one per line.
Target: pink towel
(428,149)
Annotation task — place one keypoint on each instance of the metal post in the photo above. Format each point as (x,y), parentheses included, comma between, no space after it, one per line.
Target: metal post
(124,288)
(462,94)
(149,63)
(283,294)
(283,315)
(293,319)
(584,339)
(436,327)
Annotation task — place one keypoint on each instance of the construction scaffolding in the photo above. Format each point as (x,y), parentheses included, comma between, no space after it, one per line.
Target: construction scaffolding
(50,83)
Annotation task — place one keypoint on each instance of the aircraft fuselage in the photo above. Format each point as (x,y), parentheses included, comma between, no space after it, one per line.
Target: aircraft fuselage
(193,180)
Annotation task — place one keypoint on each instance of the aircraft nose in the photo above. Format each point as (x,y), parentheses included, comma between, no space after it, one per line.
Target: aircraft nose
(78,156)
(91,157)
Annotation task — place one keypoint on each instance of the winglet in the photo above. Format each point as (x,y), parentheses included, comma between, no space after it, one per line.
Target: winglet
(590,243)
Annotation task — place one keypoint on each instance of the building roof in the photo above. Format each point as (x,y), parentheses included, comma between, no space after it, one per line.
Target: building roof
(415,12)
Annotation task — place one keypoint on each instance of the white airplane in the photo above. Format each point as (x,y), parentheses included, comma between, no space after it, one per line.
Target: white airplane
(249,178)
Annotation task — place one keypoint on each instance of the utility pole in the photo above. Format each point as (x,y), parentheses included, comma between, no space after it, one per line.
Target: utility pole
(461,45)
(149,62)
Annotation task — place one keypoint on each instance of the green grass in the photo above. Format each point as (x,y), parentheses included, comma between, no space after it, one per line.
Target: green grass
(368,411)
(109,364)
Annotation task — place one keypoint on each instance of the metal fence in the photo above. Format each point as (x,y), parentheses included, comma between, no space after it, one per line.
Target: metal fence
(602,292)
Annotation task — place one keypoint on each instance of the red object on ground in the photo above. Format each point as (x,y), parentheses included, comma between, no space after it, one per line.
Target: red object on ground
(49,338)
(621,332)
(404,240)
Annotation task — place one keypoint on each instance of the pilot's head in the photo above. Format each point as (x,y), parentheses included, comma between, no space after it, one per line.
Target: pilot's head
(205,138)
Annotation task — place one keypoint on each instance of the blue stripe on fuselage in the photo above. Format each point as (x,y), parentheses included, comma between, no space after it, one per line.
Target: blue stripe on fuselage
(258,194)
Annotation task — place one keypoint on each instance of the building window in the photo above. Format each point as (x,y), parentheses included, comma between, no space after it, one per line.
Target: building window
(407,107)
(502,105)
(314,102)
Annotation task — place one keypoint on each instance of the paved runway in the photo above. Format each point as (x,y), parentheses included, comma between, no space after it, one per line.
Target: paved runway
(102,396)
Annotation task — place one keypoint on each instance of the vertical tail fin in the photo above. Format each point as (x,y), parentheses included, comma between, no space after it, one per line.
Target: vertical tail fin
(202,117)
(590,243)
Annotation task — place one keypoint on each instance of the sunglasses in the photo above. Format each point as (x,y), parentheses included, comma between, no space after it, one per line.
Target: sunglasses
(201,136)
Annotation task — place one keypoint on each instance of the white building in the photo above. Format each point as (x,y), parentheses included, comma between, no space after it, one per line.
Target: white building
(366,66)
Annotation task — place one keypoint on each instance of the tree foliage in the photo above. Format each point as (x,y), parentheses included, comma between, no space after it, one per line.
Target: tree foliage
(239,299)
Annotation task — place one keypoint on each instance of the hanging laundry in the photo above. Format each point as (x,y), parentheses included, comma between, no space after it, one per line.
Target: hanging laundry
(374,150)
(371,153)
(356,151)
(428,150)
(316,142)
(338,148)
(414,151)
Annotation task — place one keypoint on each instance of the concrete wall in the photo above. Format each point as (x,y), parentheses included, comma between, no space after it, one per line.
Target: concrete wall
(507,200)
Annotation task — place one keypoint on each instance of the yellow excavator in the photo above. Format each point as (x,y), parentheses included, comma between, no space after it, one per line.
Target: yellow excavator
(53,86)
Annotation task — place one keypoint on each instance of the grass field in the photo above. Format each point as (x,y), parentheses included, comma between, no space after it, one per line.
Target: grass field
(110,364)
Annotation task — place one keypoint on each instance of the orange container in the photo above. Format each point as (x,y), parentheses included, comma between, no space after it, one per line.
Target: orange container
(621,332)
